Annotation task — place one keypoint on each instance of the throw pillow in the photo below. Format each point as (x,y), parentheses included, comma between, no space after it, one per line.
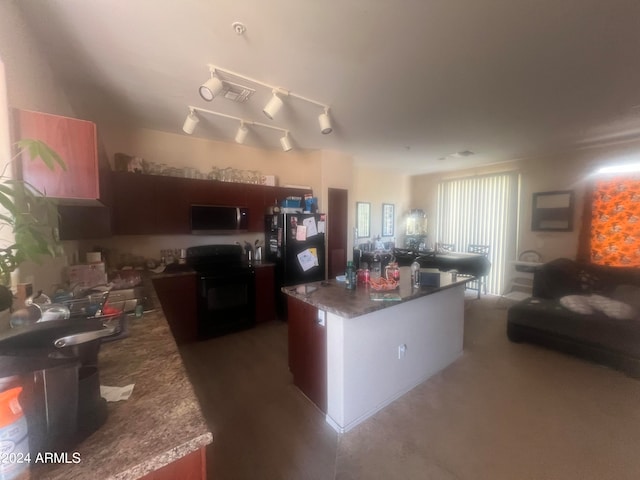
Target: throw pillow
(577,304)
(612,308)
(629,294)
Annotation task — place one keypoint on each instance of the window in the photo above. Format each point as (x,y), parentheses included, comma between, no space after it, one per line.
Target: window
(388,219)
(481,210)
(363,219)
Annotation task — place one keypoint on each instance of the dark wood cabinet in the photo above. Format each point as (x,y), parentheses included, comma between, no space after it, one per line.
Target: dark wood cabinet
(134,203)
(177,295)
(192,466)
(307,339)
(265,293)
(152,204)
(75,141)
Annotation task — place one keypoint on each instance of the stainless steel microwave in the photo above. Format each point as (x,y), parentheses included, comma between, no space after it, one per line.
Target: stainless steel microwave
(218,219)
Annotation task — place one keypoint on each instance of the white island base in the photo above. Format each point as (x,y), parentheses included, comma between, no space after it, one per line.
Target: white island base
(375,358)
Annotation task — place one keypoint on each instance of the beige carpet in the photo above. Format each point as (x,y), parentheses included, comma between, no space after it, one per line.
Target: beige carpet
(502,411)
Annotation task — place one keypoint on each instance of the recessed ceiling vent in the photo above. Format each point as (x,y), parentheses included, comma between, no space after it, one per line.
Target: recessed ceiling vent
(463,153)
(236,92)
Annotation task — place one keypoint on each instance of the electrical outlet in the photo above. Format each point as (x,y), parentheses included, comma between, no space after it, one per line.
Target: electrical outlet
(322,318)
(402,351)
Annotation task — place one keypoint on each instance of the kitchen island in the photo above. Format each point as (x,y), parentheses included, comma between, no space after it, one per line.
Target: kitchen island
(352,355)
(159,432)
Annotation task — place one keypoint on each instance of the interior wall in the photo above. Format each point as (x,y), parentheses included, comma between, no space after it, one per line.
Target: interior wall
(31,85)
(296,167)
(378,187)
(561,171)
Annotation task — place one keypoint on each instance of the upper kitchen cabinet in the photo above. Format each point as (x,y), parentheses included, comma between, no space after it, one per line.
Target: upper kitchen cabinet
(152,204)
(75,141)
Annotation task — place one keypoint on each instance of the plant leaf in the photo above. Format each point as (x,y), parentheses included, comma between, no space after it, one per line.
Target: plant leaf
(38,148)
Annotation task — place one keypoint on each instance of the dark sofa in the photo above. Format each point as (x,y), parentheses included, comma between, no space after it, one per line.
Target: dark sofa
(549,317)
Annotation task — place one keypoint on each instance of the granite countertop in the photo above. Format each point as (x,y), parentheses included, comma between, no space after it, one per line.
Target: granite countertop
(332,296)
(161,421)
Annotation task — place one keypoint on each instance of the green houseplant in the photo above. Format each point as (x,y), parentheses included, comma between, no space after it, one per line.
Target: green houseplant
(26,212)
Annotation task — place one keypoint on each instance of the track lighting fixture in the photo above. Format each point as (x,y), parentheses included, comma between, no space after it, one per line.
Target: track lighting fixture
(325,122)
(241,133)
(212,87)
(190,122)
(272,108)
(285,143)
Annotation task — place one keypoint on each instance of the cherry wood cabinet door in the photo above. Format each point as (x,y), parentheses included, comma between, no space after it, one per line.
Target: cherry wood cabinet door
(192,466)
(265,293)
(255,195)
(307,351)
(75,141)
(178,297)
(172,205)
(134,203)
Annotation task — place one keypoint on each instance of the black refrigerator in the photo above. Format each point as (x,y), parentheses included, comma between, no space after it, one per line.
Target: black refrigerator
(295,243)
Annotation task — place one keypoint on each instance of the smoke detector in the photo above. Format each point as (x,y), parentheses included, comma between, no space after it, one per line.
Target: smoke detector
(239,28)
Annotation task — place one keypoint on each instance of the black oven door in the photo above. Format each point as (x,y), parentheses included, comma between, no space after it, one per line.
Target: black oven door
(226,303)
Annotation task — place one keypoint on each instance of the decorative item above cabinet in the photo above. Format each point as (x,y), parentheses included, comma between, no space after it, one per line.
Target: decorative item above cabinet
(75,141)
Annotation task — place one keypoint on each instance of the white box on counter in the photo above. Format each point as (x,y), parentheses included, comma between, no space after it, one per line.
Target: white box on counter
(87,275)
(269,180)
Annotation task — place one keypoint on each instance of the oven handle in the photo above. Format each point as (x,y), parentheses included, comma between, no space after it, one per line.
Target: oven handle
(249,275)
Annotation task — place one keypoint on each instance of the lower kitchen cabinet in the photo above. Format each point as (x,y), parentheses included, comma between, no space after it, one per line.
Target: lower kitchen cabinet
(190,467)
(308,351)
(177,295)
(265,293)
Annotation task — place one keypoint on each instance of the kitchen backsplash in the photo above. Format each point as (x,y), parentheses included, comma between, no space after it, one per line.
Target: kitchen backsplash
(120,250)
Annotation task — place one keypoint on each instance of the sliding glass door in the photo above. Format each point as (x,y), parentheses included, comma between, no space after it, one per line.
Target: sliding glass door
(481,210)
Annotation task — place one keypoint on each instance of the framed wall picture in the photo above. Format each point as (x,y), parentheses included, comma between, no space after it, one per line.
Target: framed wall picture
(552,211)
(363,219)
(388,219)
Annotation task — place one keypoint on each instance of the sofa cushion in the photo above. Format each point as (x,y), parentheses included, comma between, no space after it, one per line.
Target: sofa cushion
(577,304)
(549,316)
(612,308)
(629,294)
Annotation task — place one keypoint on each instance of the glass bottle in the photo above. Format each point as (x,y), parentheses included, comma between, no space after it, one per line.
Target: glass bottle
(350,276)
(415,274)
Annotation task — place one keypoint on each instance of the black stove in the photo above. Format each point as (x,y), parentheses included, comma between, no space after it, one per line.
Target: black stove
(226,289)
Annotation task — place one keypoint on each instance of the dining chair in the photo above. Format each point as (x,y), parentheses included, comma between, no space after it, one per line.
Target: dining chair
(481,282)
(445,247)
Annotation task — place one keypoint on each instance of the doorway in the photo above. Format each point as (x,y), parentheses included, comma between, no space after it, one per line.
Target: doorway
(337,231)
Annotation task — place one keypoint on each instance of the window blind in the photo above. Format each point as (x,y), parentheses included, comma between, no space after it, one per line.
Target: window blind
(481,210)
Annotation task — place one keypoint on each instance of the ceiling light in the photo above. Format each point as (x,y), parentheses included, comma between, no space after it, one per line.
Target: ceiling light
(241,134)
(624,168)
(285,142)
(190,122)
(273,107)
(212,87)
(325,122)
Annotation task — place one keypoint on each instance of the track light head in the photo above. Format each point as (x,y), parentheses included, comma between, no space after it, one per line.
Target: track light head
(212,87)
(241,134)
(272,108)
(190,123)
(325,122)
(285,142)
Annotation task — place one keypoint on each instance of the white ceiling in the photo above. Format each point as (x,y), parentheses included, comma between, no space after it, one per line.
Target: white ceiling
(408,81)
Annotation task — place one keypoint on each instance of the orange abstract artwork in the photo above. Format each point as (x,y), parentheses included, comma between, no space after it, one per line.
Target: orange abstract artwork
(615,223)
